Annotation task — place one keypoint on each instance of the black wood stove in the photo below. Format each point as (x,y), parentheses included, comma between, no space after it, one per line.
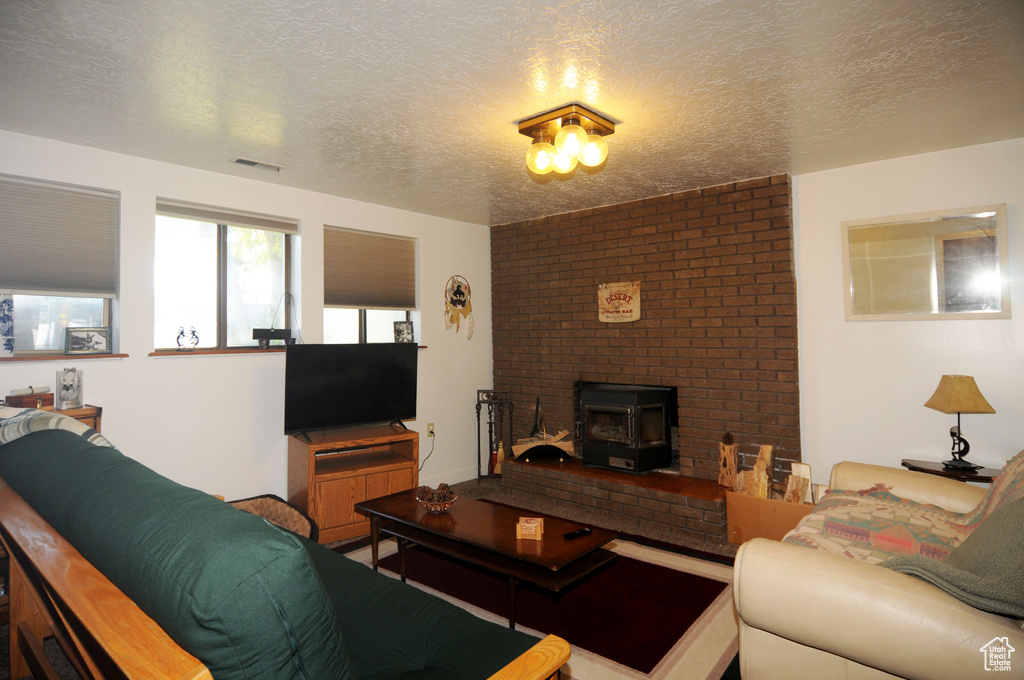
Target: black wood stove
(626,427)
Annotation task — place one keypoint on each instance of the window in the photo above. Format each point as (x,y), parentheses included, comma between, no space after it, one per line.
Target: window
(220,272)
(362,325)
(59,259)
(40,320)
(369,284)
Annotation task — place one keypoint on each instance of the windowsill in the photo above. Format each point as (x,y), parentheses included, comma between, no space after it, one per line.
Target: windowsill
(63,357)
(208,352)
(154,353)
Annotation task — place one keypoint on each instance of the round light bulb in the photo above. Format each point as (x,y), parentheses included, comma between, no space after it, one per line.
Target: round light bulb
(564,164)
(570,140)
(540,159)
(595,151)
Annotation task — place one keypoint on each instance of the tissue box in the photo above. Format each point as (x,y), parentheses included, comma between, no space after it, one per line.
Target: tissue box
(530,528)
(42,401)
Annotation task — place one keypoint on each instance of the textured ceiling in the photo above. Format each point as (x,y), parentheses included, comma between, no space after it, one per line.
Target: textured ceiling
(413,104)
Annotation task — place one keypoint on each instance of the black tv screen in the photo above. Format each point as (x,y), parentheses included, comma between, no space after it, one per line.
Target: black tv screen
(329,386)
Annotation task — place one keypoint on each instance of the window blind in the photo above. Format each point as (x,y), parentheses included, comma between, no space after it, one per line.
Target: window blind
(232,218)
(368,270)
(57,239)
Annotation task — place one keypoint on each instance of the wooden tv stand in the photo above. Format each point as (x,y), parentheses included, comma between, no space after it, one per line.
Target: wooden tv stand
(332,470)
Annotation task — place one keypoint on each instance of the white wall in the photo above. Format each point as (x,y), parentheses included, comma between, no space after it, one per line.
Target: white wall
(215,422)
(863,383)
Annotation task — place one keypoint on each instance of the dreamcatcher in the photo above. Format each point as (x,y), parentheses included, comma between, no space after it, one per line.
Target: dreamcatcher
(458,308)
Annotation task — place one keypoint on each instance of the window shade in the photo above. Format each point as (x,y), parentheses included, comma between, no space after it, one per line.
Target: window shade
(57,239)
(232,218)
(368,270)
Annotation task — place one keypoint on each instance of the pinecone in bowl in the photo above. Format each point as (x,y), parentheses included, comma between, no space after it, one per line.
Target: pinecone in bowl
(436,500)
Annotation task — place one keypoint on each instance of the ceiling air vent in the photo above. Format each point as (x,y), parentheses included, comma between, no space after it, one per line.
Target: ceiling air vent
(258,164)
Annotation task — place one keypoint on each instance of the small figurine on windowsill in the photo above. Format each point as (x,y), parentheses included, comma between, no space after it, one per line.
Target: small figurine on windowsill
(192,340)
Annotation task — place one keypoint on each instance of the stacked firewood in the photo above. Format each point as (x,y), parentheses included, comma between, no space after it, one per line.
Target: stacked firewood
(757,481)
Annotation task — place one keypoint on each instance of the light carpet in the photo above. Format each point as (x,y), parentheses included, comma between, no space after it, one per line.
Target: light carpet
(702,653)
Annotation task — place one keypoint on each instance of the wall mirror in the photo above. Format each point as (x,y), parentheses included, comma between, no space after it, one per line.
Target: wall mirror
(940,265)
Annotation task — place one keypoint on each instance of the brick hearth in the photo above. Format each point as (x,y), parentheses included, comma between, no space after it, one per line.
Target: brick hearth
(657,504)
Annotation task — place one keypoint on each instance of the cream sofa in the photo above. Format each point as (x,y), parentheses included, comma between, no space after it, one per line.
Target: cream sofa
(820,605)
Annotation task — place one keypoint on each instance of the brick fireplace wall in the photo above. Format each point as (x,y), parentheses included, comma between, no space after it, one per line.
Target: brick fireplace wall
(718,314)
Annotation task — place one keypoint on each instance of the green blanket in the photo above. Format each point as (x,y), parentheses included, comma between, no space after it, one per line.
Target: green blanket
(986,571)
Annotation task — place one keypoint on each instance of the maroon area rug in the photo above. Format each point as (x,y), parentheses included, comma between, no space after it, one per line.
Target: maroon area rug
(630,612)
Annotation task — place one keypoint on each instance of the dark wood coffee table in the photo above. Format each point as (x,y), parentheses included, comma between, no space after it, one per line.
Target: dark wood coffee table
(484,534)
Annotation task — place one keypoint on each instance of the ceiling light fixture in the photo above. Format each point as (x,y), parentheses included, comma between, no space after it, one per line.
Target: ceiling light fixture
(565,136)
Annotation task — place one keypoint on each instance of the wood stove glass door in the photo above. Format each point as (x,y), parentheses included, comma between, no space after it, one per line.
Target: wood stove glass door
(609,424)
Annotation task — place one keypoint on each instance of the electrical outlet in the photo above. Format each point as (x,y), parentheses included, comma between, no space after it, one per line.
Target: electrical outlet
(430,429)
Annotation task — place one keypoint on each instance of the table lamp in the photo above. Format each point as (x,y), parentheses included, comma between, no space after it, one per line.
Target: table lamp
(958,394)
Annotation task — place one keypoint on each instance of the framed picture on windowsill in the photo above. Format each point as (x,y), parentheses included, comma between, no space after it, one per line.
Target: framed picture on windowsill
(87,341)
(403,331)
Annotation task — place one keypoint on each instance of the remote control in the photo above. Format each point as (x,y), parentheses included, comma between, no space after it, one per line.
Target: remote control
(576,534)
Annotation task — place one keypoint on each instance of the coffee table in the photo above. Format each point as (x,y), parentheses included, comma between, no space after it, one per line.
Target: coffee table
(484,534)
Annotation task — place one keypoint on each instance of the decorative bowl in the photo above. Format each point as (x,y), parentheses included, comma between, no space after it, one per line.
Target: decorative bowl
(436,500)
(437,507)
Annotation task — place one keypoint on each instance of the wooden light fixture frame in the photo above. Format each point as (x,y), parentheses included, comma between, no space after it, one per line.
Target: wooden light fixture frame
(547,123)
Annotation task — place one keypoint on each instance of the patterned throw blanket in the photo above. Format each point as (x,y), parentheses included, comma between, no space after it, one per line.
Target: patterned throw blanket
(873,525)
(18,422)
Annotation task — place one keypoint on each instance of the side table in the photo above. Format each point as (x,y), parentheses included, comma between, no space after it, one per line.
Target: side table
(983,475)
(90,415)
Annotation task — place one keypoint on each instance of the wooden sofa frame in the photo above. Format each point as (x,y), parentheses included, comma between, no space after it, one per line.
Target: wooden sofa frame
(54,591)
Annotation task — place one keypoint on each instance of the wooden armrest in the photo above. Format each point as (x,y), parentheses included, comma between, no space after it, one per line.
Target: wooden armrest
(53,587)
(539,662)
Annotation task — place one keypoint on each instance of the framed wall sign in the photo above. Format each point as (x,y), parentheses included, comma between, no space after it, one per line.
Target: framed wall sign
(618,302)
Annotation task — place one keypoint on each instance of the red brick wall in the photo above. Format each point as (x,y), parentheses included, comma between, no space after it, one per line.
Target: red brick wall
(718,314)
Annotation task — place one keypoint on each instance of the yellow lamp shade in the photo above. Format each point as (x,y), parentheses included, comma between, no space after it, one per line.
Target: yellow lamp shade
(595,151)
(540,159)
(958,394)
(570,140)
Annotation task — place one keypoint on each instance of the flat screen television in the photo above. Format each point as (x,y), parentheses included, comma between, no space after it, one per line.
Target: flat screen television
(327,386)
